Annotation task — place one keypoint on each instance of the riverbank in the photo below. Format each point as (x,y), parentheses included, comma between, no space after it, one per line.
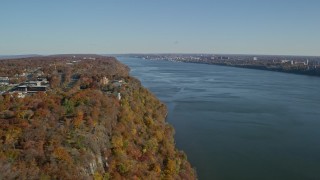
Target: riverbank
(287,64)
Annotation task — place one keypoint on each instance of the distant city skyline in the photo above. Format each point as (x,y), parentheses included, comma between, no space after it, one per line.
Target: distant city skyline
(274,27)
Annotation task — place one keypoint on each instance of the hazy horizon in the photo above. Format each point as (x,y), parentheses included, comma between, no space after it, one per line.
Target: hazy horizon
(144,27)
(116,54)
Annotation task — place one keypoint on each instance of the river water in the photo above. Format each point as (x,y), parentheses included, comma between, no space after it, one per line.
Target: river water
(238,123)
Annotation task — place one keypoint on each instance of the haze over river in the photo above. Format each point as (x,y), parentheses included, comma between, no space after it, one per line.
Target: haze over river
(236,123)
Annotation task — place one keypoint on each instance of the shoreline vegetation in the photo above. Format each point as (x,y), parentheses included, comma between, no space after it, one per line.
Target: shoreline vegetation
(83,117)
(305,65)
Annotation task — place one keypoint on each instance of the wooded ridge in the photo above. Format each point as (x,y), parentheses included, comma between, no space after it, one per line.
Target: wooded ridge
(83,117)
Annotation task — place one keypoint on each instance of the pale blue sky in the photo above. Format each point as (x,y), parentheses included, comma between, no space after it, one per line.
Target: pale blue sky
(160,26)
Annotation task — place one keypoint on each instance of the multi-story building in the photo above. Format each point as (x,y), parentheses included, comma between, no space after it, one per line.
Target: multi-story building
(4,81)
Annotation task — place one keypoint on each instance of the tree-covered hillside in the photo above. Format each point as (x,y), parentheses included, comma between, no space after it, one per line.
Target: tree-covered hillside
(93,121)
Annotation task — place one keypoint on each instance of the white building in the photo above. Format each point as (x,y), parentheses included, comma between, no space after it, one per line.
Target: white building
(4,81)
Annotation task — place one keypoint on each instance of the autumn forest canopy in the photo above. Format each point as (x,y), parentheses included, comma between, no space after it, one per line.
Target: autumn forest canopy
(83,117)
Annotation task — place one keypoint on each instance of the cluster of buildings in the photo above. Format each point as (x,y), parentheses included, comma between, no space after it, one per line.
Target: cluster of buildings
(90,58)
(4,84)
(41,84)
(292,62)
(31,87)
(114,83)
(27,87)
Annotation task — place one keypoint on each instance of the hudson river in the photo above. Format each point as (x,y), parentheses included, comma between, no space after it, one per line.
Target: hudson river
(238,123)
